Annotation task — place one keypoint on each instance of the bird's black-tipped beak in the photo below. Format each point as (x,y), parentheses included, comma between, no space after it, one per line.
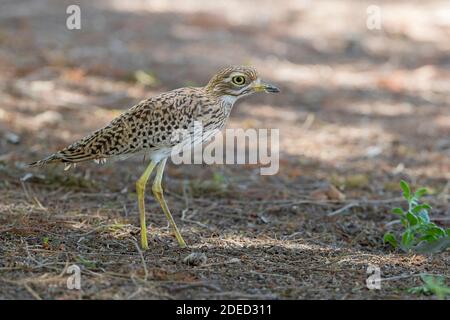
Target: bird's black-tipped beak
(270,88)
(266,87)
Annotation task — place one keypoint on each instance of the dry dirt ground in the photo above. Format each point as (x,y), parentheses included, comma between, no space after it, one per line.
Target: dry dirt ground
(359,110)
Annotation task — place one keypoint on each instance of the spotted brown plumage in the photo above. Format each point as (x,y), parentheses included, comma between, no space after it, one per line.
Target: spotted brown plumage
(146,127)
(149,127)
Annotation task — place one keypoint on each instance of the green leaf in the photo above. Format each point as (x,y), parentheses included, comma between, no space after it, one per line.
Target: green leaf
(435,246)
(430,225)
(389,238)
(404,222)
(407,239)
(436,232)
(406,190)
(398,211)
(432,285)
(423,215)
(436,285)
(421,207)
(427,238)
(412,219)
(419,193)
(420,290)
(413,202)
(419,232)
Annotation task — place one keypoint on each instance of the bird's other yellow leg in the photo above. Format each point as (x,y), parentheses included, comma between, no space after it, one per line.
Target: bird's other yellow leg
(140,189)
(158,193)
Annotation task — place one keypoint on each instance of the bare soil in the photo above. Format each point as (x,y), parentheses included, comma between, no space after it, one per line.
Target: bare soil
(359,110)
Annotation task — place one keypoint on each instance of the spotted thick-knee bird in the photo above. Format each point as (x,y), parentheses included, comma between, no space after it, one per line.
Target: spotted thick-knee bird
(158,125)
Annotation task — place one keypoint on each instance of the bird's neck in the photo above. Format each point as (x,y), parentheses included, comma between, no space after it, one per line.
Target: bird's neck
(227,102)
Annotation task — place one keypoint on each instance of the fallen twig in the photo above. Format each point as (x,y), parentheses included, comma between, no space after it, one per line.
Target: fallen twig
(343,209)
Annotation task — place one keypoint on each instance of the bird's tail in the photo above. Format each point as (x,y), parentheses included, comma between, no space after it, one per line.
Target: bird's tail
(64,156)
(51,158)
(93,147)
(72,154)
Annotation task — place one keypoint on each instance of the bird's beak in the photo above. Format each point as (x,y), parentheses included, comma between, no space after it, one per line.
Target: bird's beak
(262,86)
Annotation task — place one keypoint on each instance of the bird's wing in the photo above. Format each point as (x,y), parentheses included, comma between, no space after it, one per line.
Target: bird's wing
(147,125)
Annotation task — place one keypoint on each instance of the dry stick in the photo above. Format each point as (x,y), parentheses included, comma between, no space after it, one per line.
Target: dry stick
(237,295)
(356,203)
(191,286)
(351,203)
(343,209)
(183,212)
(131,296)
(8,227)
(42,279)
(233,260)
(310,201)
(142,259)
(102,227)
(405,276)
(27,195)
(292,235)
(32,292)
(31,199)
(87,253)
(272,275)
(66,266)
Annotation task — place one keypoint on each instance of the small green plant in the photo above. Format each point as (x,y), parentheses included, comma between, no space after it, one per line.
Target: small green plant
(216,185)
(86,263)
(432,285)
(45,241)
(420,234)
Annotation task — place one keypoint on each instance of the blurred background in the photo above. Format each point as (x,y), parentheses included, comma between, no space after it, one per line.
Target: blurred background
(360,109)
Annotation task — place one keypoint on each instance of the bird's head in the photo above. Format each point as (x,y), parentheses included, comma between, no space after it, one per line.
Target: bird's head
(232,83)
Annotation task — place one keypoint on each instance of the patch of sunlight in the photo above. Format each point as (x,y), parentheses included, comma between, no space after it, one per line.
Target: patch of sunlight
(353,76)
(443,121)
(409,19)
(233,11)
(227,240)
(379,109)
(332,142)
(338,256)
(274,113)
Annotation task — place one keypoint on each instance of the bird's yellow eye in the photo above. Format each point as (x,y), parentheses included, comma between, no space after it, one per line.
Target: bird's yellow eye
(239,80)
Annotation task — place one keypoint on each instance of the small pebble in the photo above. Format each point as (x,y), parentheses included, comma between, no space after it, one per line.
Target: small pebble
(195,259)
(12,138)
(234,260)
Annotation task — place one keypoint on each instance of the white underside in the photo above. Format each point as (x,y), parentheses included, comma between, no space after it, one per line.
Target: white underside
(158,155)
(186,145)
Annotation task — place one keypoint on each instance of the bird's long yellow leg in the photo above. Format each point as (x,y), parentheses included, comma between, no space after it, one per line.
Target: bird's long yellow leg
(140,189)
(158,193)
